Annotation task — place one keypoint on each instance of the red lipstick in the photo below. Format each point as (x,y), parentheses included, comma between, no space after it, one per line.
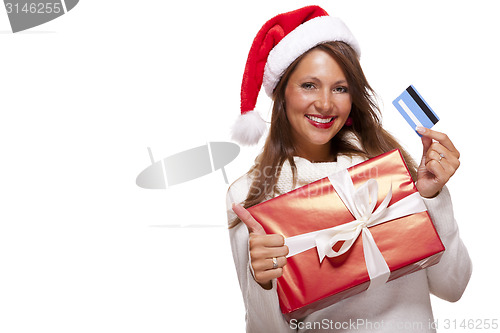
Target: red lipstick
(318,121)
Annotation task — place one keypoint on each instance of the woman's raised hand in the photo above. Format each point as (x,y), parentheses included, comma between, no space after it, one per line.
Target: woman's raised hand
(267,252)
(439,162)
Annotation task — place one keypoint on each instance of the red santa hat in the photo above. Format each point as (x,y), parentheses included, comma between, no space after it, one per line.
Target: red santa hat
(278,43)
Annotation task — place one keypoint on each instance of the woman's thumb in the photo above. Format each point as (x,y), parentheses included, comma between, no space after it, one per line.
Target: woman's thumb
(247,218)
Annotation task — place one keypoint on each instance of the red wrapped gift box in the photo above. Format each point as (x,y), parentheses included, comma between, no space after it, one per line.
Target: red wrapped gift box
(407,244)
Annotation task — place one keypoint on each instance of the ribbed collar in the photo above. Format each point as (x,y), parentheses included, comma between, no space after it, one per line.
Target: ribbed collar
(308,172)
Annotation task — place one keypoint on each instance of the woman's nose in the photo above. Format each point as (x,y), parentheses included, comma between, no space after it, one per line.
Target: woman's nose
(324,101)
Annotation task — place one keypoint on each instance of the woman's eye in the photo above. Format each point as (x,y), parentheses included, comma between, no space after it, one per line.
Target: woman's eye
(340,90)
(307,85)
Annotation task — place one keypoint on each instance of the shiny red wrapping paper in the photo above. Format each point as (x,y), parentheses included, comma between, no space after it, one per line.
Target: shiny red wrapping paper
(408,244)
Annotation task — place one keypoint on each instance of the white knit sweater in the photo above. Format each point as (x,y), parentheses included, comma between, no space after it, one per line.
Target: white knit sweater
(400,305)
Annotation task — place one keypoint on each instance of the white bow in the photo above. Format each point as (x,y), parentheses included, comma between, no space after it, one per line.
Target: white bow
(361,204)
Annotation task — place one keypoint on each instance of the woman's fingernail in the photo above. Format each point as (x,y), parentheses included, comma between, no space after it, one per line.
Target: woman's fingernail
(420,129)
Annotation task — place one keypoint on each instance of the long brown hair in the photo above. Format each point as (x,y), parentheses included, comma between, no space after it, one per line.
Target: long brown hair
(366,127)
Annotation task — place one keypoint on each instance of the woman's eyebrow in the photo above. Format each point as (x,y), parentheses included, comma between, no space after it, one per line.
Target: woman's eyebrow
(314,78)
(311,78)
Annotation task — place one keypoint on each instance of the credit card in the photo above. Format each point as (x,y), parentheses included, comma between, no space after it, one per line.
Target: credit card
(415,109)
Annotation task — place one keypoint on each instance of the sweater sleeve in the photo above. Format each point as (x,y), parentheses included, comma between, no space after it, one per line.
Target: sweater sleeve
(448,279)
(263,313)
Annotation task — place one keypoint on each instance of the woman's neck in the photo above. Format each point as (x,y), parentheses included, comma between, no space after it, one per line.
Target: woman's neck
(315,153)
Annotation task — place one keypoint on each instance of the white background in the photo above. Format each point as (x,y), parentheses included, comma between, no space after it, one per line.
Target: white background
(83,249)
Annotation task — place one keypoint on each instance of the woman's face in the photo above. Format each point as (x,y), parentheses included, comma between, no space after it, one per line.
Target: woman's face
(317,101)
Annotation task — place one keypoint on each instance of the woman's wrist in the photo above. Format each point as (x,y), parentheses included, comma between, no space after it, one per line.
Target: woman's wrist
(432,196)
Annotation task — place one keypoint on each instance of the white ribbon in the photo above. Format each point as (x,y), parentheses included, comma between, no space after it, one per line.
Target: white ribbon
(361,203)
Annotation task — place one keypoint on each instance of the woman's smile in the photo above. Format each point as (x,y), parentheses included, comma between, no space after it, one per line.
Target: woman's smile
(319,121)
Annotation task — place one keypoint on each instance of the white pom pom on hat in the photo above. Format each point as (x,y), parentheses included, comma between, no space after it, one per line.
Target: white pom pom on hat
(248,128)
(278,43)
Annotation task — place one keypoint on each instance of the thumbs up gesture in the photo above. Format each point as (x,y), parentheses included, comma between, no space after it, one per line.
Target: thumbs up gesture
(267,252)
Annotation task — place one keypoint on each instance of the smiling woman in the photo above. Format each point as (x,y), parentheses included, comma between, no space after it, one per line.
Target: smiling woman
(324,120)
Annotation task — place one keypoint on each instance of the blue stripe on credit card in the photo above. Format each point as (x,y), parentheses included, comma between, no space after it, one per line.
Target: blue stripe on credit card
(415,109)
